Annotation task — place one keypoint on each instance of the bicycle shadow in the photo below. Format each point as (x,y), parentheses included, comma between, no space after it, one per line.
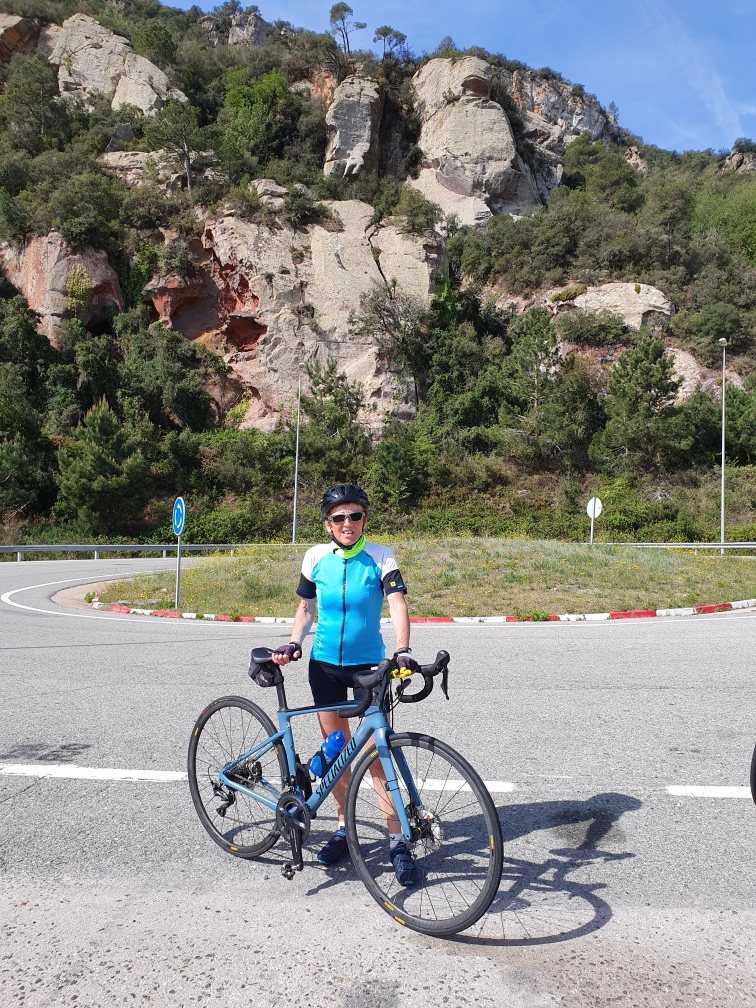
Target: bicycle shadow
(538,903)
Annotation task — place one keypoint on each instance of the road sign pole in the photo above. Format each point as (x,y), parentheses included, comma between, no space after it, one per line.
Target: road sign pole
(594,508)
(178,518)
(178,571)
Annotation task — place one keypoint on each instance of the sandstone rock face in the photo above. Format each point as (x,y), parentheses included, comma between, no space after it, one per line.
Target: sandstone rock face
(48,39)
(353,120)
(320,84)
(270,299)
(740,162)
(633,158)
(636,304)
(554,112)
(468,146)
(40,270)
(241,29)
(17,35)
(135,167)
(92,60)
(692,374)
(559,104)
(129,166)
(271,194)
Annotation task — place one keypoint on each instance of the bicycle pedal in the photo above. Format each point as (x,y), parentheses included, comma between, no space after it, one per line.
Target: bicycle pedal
(287,871)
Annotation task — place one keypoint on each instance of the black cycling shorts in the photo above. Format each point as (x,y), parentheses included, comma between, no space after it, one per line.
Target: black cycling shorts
(329,683)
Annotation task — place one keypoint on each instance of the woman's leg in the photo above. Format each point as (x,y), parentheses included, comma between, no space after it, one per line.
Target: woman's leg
(330,722)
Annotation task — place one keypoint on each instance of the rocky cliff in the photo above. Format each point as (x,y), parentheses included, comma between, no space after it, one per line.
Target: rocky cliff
(268,296)
(471,167)
(93,60)
(40,269)
(270,299)
(17,35)
(353,120)
(241,27)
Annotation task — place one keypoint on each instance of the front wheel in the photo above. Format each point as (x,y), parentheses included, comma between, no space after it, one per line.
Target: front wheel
(224,732)
(753,776)
(457,845)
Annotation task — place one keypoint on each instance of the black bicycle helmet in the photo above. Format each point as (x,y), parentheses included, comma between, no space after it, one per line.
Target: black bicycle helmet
(342,493)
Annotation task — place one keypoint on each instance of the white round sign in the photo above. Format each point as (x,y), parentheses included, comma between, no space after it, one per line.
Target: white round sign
(594,507)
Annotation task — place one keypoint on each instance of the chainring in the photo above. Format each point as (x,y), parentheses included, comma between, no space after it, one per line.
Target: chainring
(292,814)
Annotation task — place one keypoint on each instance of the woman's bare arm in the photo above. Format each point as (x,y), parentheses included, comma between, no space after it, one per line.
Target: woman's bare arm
(400,618)
(303,618)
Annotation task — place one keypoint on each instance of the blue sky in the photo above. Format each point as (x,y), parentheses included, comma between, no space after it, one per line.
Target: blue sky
(682,72)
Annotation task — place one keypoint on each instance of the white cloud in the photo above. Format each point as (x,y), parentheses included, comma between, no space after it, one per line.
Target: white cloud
(694,66)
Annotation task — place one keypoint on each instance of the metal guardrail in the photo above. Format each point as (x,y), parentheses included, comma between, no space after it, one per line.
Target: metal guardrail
(166,548)
(685,546)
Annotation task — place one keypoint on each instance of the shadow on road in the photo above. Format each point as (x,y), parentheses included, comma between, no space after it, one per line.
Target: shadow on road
(44,752)
(538,902)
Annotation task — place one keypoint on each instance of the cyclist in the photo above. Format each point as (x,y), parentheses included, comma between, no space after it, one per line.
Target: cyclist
(349,577)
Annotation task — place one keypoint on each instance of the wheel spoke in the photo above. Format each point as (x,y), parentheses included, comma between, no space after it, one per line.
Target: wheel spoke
(226,731)
(457,873)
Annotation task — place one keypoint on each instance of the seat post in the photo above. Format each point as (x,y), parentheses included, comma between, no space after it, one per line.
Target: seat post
(280,690)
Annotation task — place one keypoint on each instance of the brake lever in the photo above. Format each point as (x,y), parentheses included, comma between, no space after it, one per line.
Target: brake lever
(445,681)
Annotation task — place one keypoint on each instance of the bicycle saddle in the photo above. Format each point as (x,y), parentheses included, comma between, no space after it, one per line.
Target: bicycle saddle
(261,655)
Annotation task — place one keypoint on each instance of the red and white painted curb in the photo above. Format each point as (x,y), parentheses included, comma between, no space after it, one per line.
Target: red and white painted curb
(563,617)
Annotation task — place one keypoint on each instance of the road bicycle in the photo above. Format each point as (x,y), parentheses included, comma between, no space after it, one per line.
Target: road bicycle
(250,788)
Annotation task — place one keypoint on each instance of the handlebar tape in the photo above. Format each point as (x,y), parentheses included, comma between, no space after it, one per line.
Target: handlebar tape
(367,681)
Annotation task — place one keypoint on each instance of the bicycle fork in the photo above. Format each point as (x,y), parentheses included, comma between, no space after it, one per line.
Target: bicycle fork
(392,785)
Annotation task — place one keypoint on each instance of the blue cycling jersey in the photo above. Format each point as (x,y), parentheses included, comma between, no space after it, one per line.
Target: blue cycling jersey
(350,593)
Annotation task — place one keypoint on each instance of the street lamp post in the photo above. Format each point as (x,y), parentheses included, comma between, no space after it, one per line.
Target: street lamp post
(296,458)
(723,344)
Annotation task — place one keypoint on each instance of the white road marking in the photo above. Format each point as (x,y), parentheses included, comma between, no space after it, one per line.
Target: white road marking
(6,598)
(482,621)
(72,772)
(495,787)
(454,785)
(713,791)
(89,773)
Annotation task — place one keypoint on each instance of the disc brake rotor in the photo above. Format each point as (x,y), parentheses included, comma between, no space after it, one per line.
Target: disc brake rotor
(430,831)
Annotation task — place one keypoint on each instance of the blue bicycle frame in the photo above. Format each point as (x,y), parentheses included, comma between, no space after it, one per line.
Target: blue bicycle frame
(373,724)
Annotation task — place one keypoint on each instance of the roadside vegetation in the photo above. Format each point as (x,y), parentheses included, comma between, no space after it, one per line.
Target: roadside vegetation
(464,577)
(98,435)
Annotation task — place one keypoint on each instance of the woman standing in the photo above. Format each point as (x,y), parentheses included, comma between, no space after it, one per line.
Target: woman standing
(349,578)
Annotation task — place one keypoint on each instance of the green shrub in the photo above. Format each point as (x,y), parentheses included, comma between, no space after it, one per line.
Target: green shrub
(418,213)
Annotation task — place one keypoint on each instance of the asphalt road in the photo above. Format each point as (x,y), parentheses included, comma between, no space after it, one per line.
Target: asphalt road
(615,892)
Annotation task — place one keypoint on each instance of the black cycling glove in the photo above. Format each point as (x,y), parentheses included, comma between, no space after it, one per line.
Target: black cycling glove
(292,650)
(404,660)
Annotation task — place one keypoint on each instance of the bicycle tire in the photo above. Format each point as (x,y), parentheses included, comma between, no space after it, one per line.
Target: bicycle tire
(753,776)
(225,730)
(459,857)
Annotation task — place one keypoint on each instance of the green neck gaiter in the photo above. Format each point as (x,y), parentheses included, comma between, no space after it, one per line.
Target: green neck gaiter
(352,551)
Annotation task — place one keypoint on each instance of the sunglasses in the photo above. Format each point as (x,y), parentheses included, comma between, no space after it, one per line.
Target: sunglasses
(339,519)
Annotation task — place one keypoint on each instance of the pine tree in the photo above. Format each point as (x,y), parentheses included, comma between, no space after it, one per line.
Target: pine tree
(644,429)
(533,366)
(102,474)
(176,129)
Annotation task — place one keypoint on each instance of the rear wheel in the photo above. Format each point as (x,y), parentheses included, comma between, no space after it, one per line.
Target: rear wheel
(753,776)
(224,731)
(457,846)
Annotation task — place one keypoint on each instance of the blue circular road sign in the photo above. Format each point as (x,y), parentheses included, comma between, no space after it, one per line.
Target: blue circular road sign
(179,516)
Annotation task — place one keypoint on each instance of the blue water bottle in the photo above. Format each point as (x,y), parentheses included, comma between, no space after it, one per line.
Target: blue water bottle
(330,749)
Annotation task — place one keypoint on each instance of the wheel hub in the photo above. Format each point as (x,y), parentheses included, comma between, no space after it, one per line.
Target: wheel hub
(428,831)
